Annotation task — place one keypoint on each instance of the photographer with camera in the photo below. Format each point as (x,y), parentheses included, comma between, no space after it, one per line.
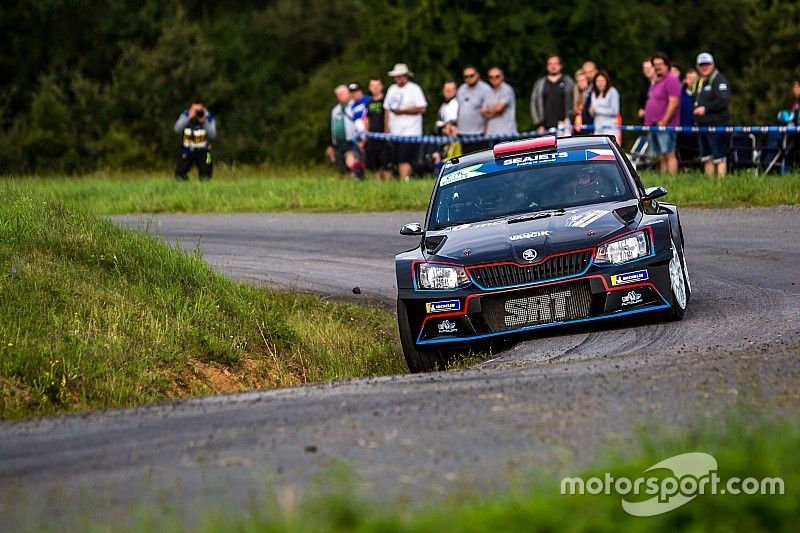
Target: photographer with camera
(197,127)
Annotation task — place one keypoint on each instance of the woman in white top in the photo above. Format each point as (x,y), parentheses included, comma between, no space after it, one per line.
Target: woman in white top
(605,106)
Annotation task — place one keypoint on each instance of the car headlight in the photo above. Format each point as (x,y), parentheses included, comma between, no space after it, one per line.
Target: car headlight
(626,249)
(432,276)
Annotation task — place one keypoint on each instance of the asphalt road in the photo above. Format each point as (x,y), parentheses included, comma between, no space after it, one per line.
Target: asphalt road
(548,404)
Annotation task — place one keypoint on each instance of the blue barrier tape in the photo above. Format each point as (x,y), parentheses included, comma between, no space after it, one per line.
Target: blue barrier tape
(440,139)
(714,129)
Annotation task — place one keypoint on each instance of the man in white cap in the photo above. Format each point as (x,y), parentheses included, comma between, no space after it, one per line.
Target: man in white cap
(711,109)
(405,103)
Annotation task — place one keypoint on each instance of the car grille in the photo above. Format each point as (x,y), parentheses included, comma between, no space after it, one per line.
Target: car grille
(558,266)
(541,305)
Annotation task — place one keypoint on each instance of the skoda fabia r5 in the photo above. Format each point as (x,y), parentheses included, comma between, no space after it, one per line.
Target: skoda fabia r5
(535,234)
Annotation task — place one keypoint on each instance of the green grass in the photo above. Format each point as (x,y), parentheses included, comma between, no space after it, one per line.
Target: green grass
(94,316)
(231,190)
(736,190)
(319,189)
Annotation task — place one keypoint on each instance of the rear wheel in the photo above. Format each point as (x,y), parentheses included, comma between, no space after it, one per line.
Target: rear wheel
(418,359)
(679,283)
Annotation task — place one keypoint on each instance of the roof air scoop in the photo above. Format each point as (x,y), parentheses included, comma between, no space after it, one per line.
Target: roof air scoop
(525,146)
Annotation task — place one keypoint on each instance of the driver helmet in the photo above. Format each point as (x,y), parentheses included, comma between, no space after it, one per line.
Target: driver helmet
(588,178)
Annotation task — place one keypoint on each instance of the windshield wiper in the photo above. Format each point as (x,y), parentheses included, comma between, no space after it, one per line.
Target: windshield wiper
(535,216)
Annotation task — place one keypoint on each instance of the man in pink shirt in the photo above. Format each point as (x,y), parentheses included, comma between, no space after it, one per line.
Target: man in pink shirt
(663,109)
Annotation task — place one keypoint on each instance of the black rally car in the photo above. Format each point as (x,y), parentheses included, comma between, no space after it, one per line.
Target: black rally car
(533,234)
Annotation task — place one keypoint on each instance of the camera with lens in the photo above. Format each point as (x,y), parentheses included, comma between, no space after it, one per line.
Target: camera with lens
(200,113)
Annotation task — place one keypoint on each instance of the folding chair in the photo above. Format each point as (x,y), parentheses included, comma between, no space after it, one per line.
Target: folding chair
(744,152)
(640,155)
(775,151)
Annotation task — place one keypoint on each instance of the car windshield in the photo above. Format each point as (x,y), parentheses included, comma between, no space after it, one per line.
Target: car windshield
(489,191)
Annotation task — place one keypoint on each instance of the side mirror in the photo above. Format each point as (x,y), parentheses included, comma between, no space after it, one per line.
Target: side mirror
(414,228)
(651,193)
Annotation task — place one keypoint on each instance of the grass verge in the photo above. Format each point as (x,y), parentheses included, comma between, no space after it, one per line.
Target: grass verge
(317,189)
(743,449)
(94,316)
(765,449)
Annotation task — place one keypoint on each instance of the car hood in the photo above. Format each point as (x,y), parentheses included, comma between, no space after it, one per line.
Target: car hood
(499,240)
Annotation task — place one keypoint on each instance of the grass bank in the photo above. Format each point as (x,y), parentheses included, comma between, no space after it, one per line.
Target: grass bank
(94,316)
(318,189)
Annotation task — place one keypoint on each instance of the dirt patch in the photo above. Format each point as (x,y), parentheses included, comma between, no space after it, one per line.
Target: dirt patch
(14,396)
(203,376)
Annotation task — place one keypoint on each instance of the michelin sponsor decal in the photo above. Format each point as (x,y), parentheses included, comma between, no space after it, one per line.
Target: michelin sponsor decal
(529,235)
(443,307)
(629,277)
(461,174)
(581,220)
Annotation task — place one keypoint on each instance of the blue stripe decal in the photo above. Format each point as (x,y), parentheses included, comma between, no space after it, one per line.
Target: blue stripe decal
(665,305)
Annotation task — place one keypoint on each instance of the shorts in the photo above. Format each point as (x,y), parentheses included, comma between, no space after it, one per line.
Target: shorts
(713,146)
(377,154)
(663,142)
(403,152)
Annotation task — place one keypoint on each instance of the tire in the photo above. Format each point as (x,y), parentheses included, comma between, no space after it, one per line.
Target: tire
(679,283)
(417,359)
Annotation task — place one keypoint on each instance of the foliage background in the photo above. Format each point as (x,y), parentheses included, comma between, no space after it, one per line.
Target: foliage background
(88,85)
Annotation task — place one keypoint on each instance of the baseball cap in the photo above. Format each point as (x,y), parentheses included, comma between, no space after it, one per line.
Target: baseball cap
(354,87)
(704,58)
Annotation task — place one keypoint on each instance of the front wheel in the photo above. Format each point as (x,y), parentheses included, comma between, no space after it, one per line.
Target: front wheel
(679,283)
(418,359)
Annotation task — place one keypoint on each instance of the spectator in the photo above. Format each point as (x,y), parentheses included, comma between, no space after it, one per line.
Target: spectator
(500,108)
(198,127)
(794,152)
(406,104)
(448,150)
(551,98)
(448,111)
(648,77)
(687,143)
(471,97)
(676,71)
(796,102)
(376,152)
(358,107)
(581,86)
(663,109)
(590,69)
(343,149)
(711,109)
(605,106)
(687,98)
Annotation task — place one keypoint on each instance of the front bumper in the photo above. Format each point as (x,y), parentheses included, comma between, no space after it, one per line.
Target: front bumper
(473,314)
